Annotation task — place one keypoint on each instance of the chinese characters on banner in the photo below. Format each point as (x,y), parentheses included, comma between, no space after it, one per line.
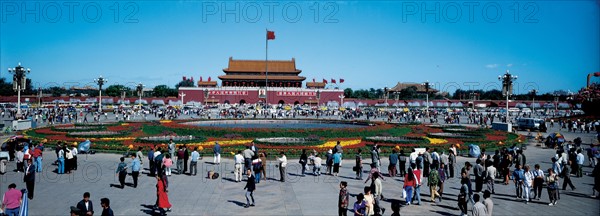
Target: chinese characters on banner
(228,92)
(296,93)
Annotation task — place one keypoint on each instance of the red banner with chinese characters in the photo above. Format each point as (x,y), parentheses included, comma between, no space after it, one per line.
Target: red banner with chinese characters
(296,93)
(228,92)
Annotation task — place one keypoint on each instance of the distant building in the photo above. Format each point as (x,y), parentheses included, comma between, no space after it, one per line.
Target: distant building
(253,73)
(420,88)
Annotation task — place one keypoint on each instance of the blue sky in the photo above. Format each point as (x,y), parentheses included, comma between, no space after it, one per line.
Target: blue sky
(549,44)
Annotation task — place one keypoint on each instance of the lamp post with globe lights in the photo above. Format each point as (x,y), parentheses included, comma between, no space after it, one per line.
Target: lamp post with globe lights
(100,81)
(19,83)
(507,84)
(426,85)
(533,92)
(140,92)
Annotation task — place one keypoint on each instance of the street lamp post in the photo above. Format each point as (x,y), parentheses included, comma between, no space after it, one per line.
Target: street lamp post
(206,92)
(140,92)
(556,98)
(318,99)
(507,81)
(19,83)
(427,85)
(533,92)
(39,96)
(100,81)
(396,98)
(385,95)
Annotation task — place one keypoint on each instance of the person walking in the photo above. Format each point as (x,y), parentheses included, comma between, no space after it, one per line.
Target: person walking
(358,166)
(369,202)
(257,167)
(186,158)
(167,163)
(490,176)
(329,161)
(393,158)
(478,171)
(85,206)
(180,156)
(250,187)
(151,164)
(237,167)
(162,198)
(343,199)
(375,157)
(410,182)
(282,164)
(248,154)
(527,184)
(580,159)
(451,163)
(61,161)
(194,164)
(122,172)
(140,156)
(360,205)
(11,201)
(337,159)
(317,164)
(29,178)
(552,180)
(487,201)
(303,160)
(518,180)
(432,182)
(479,208)
(538,182)
(106,210)
(463,196)
(136,166)
(567,176)
(402,163)
(263,159)
(217,154)
(442,179)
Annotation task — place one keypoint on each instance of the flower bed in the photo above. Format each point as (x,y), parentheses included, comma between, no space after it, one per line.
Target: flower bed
(396,139)
(452,135)
(288,141)
(123,136)
(78,128)
(96,134)
(166,138)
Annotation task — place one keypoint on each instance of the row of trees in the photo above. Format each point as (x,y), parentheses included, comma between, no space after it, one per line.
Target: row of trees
(460,94)
(6,89)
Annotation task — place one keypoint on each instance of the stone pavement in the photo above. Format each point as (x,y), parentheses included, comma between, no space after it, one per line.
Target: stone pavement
(310,195)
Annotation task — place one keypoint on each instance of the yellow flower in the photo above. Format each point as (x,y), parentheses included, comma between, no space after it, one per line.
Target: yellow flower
(436,141)
(125,124)
(165,121)
(333,143)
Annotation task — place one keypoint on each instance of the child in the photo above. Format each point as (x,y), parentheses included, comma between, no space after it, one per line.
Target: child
(168,162)
(343,199)
(359,205)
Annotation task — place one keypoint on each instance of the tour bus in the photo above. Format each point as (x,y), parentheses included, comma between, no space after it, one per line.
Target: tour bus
(531,124)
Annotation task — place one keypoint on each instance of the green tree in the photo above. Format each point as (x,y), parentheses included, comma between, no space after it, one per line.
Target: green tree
(115,90)
(408,93)
(164,91)
(348,93)
(55,91)
(185,83)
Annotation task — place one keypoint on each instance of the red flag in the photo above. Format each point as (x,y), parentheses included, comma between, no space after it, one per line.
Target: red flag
(325,81)
(341,80)
(332,80)
(209,79)
(200,78)
(270,35)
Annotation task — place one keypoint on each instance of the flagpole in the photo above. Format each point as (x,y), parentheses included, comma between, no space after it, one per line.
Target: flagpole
(267,69)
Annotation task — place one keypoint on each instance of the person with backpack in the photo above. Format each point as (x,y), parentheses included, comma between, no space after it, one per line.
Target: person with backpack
(432,182)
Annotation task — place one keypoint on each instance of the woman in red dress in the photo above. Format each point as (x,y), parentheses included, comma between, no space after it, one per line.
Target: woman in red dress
(162,199)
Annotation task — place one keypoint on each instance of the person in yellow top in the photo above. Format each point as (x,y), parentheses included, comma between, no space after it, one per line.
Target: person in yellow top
(370,202)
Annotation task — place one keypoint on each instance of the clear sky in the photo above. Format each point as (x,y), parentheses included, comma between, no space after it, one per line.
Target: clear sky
(549,44)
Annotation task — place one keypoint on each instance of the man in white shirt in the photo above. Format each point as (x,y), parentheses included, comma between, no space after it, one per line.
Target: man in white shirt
(413,157)
(527,184)
(479,208)
(237,171)
(282,164)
